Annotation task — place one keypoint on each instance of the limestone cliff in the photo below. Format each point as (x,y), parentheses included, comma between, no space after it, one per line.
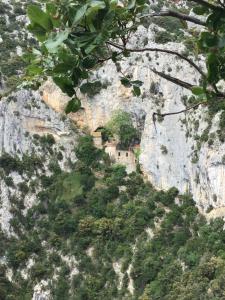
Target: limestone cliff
(169,150)
(23,118)
(171,154)
(24,114)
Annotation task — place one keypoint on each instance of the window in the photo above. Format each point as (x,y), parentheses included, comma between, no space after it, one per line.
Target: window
(127,154)
(118,153)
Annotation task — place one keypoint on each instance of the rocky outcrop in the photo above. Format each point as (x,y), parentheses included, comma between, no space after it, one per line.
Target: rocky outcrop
(22,116)
(41,292)
(168,151)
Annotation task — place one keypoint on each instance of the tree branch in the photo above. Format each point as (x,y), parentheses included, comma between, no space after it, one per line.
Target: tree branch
(138,50)
(171,13)
(176,112)
(107,58)
(219,95)
(180,111)
(179,82)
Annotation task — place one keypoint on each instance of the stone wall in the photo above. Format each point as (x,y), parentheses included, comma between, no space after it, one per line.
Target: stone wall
(122,157)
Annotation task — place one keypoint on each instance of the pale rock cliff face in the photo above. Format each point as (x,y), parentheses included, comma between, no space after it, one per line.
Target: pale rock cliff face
(41,292)
(205,177)
(22,115)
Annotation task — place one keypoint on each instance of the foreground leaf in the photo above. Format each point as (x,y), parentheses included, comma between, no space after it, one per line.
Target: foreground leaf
(56,40)
(37,16)
(73,106)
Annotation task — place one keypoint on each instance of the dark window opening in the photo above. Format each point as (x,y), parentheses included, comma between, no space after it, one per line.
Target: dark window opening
(118,153)
(126,154)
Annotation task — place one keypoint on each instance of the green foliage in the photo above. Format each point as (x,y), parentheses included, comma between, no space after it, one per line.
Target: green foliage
(162,37)
(99,209)
(13,35)
(86,152)
(173,29)
(68,186)
(80,36)
(8,163)
(135,84)
(9,181)
(153,88)
(121,126)
(47,140)
(6,286)
(23,187)
(116,175)
(39,18)
(75,37)
(27,164)
(91,88)
(73,106)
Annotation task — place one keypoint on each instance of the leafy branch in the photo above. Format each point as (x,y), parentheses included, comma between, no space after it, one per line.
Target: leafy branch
(83,36)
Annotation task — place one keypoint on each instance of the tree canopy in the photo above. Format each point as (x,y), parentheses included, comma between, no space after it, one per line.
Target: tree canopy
(121,127)
(77,37)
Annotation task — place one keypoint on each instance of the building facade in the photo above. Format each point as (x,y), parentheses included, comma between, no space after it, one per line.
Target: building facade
(123,157)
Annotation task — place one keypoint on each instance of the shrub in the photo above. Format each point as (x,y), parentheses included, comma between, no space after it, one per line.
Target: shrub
(163,149)
(23,187)
(9,181)
(9,163)
(87,181)
(154,89)
(116,175)
(163,37)
(47,140)
(54,167)
(39,271)
(121,126)
(86,152)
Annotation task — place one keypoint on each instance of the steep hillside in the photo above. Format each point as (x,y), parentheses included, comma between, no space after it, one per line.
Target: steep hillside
(33,137)
(193,142)
(76,226)
(93,232)
(14,40)
(198,168)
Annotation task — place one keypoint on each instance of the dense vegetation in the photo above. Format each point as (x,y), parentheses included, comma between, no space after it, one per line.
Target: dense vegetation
(96,232)
(121,128)
(95,215)
(14,41)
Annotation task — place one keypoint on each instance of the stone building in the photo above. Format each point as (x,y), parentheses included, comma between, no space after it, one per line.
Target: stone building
(119,156)
(123,157)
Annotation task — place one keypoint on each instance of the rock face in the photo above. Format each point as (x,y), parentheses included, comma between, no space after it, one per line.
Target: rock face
(169,156)
(22,116)
(168,149)
(40,293)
